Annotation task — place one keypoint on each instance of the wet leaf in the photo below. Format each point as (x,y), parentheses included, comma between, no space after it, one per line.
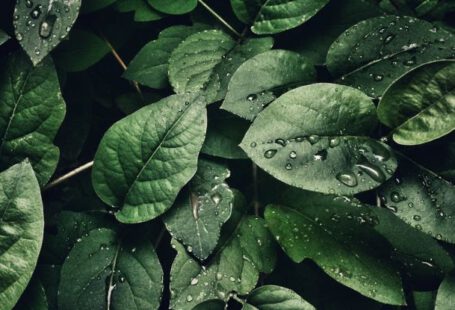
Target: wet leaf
(270,297)
(142,11)
(445,298)
(175,7)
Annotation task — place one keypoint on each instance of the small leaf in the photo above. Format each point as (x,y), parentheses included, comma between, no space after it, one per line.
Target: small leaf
(31,112)
(340,238)
(313,137)
(40,25)
(105,271)
(278,70)
(174,7)
(142,11)
(145,159)
(21,230)
(272,297)
(3,37)
(150,66)
(422,199)
(274,16)
(445,298)
(197,217)
(373,53)
(95,5)
(420,106)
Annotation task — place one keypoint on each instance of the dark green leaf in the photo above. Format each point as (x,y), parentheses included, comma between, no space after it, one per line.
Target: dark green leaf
(3,37)
(21,231)
(313,137)
(34,297)
(175,7)
(145,159)
(420,106)
(40,25)
(373,53)
(273,16)
(105,271)
(142,11)
(199,213)
(446,298)
(27,134)
(278,70)
(272,297)
(95,5)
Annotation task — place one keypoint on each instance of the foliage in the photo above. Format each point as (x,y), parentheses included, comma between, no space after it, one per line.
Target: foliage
(236,154)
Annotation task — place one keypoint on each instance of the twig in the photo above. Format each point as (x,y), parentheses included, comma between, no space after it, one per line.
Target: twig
(221,19)
(69,175)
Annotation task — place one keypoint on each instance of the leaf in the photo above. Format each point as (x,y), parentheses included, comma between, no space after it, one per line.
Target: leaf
(21,230)
(340,238)
(132,101)
(224,134)
(31,112)
(142,11)
(313,137)
(421,104)
(3,37)
(424,300)
(271,297)
(174,7)
(145,159)
(197,217)
(82,50)
(105,271)
(34,297)
(445,298)
(235,268)
(422,199)
(95,5)
(279,70)
(40,25)
(207,60)
(49,276)
(373,53)
(274,16)
(150,65)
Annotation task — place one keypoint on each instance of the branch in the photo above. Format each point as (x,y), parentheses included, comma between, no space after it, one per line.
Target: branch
(69,175)
(221,19)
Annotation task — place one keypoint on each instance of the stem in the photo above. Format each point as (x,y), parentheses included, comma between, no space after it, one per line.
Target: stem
(111,280)
(255,189)
(238,299)
(221,19)
(69,175)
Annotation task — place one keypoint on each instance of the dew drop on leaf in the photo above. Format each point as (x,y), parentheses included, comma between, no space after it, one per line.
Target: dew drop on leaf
(348,179)
(270,153)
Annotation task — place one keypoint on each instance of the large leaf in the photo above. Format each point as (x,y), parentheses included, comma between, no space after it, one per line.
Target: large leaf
(422,199)
(373,53)
(207,60)
(3,37)
(446,298)
(235,269)
(150,66)
(273,16)
(41,24)
(420,106)
(312,138)
(31,112)
(278,70)
(106,271)
(340,238)
(145,159)
(175,7)
(202,209)
(21,231)
(272,297)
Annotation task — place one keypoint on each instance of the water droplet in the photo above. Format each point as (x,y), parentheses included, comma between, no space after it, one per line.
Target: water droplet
(333,142)
(35,13)
(216,198)
(389,39)
(19,37)
(46,26)
(439,236)
(293,155)
(396,197)
(417,217)
(288,166)
(232,279)
(251,97)
(189,249)
(378,77)
(373,172)
(280,142)
(299,139)
(253,144)
(410,62)
(189,298)
(194,281)
(269,153)
(314,139)
(219,276)
(348,179)
(321,155)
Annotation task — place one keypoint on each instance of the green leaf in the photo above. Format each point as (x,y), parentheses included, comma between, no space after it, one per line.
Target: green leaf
(82,50)
(142,11)
(95,5)
(234,269)
(200,212)
(424,300)
(145,159)
(313,137)
(34,297)
(279,70)
(106,271)
(150,65)
(49,276)
(340,238)
(420,106)
(40,25)
(31,112)
(224,134)
(3,37)
(174,7)
(445,298)
(207,60)
(274,16)
(133,101)
(21,231)
(373,53)
(272,297)
(422,199)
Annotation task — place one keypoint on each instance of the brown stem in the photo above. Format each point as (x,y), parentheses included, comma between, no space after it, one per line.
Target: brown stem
(69,175)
